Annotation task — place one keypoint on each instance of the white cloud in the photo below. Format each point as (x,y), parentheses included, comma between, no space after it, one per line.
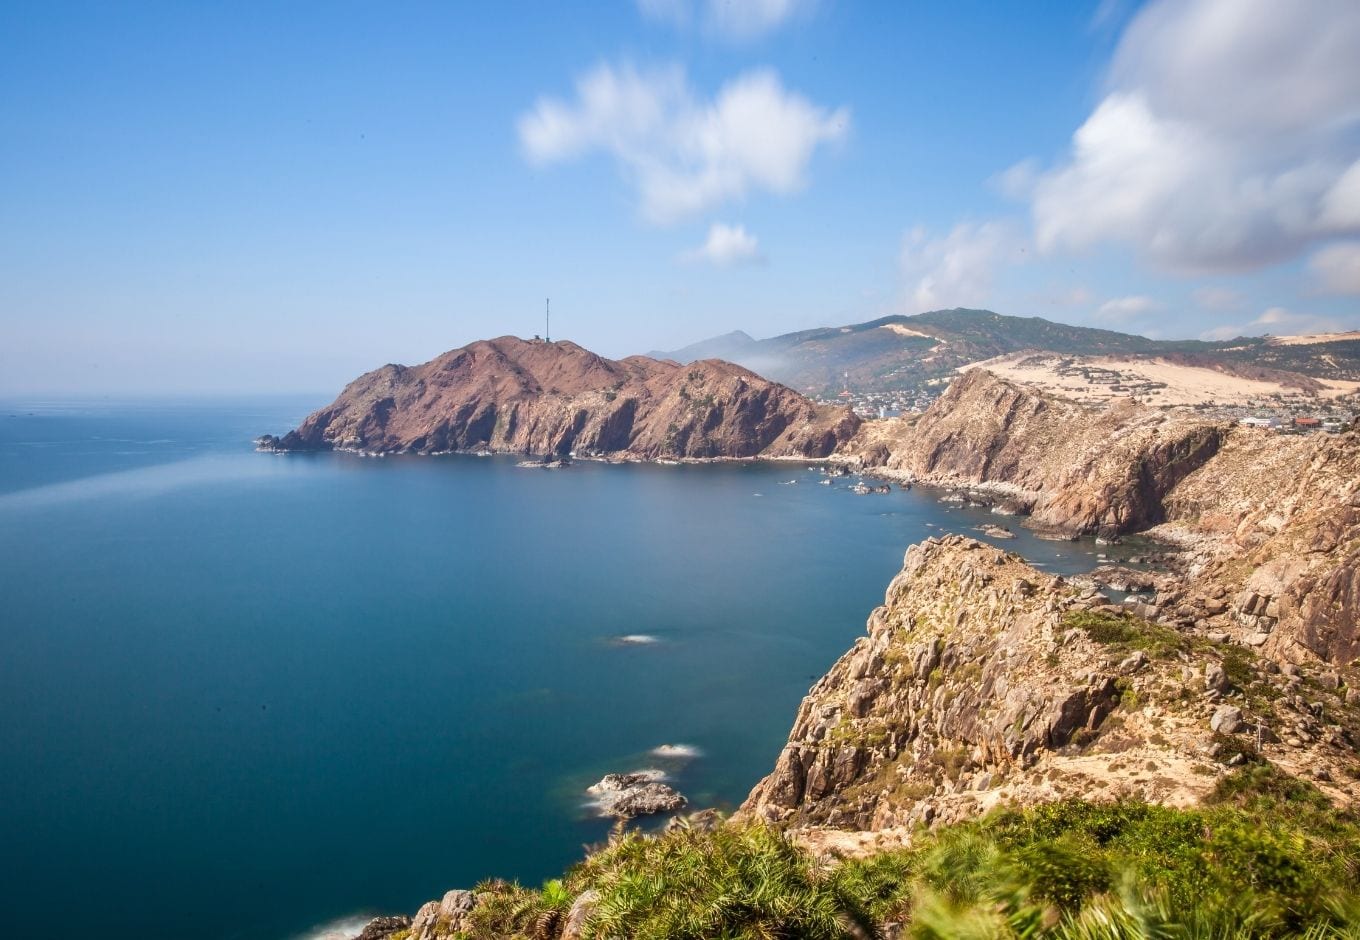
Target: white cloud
(1018,181)
(1337,268)
(1341,205)
(1126,308)
(1219,298)
(1227,139)
(1276,321)
(684,155)
(726,246)
(734,20)
(958,269)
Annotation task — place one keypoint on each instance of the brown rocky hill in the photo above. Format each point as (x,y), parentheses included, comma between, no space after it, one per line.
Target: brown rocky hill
(554,398)
(983,681)
(1075,469)
(1274,520)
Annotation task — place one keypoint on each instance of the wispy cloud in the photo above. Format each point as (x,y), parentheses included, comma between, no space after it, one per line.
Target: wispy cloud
(727,246)
(1277,321)
(732,20)
(1219,298)
(1124,309)
(960,268)
(1337,268)
(682,154)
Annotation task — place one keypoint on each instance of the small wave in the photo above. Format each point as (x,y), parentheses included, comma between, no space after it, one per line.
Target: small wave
(677,752)
(342,928)
(636,639)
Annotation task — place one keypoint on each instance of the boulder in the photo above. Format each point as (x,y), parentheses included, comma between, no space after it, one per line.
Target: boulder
(1227,719)
(450,915)
(1215,679)
(641,793)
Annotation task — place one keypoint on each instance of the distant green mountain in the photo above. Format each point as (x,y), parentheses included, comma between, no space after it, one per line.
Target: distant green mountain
(909,352)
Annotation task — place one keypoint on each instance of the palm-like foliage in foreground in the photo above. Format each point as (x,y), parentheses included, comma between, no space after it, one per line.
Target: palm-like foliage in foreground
(1270,858)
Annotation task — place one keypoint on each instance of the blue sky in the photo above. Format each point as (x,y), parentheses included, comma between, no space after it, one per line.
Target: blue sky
(278,196)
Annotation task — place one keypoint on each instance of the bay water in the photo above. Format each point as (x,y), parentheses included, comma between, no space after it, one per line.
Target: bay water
(256,696)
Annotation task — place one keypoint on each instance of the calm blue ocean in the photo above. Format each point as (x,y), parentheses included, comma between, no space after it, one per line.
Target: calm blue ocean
(246,695)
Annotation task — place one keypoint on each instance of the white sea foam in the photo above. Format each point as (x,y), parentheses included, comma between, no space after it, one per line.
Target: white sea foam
(677,751)
(645,775)
(343,928)
(636,639)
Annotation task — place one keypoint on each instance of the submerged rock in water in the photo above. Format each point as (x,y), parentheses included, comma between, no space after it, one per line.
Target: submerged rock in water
(640,793)
(996,531)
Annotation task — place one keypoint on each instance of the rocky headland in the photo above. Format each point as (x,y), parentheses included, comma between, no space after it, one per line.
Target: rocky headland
(532,397)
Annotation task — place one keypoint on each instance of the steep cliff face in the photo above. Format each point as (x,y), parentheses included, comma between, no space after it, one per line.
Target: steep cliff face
(532,397)
(1075,469)
(1276,520)
(1272,519)
(983,681)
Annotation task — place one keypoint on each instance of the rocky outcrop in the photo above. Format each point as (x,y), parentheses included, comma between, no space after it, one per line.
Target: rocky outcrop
(380,928)
(444,918)
(533,397)
(642,793)
(1275,522)
(983,680)
(1074,469)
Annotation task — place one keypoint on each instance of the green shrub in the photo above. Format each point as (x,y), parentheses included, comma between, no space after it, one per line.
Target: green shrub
(1126,633)
(1268,856)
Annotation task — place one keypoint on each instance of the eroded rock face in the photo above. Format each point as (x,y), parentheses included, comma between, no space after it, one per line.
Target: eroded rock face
(1278,524)
(981,680)
(532,397)
(1274,520)
(1076,470)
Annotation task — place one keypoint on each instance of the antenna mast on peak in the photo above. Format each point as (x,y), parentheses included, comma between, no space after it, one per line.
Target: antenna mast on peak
(547,320)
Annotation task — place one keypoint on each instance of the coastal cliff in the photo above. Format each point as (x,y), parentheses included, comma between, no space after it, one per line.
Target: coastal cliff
(1073,469)
(555,398)
(1271,520)
(984,682)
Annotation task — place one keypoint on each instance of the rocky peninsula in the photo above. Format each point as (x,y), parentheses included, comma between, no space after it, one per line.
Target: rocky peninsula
(532,397)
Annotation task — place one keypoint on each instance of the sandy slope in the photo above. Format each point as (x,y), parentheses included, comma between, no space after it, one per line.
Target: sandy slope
(1185,385)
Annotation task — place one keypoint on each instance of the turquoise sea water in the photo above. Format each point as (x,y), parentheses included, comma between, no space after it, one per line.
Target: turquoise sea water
(248,694)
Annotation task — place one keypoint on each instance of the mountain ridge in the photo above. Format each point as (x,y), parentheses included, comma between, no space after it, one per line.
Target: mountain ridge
(912,352)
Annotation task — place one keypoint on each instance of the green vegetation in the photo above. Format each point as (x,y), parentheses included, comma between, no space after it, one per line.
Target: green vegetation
(1267,857)
(1126,633)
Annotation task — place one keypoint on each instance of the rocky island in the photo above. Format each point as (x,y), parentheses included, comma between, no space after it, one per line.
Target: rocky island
(532,397)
